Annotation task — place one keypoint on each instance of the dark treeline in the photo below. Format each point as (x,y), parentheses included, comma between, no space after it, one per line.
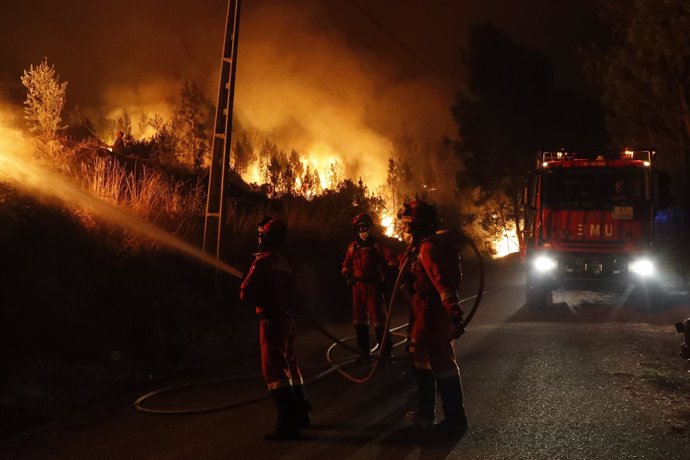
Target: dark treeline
(638,80)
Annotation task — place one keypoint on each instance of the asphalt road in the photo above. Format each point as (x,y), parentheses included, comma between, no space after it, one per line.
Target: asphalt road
(538,385)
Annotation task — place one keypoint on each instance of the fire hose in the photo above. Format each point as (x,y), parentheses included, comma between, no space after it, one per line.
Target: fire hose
(457,240)
(333,366)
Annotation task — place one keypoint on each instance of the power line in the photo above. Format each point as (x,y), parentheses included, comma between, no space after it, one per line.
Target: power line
(404,46)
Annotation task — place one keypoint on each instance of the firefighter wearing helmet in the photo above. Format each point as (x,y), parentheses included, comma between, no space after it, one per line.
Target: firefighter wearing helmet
(269,288)
(365,268)
(436,320)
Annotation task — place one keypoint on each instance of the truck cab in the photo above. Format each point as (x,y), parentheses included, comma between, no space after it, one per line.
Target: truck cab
(588,217)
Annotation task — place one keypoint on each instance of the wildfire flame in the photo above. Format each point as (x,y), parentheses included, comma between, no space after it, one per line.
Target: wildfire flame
(507,242)
(321,162)
(388,223)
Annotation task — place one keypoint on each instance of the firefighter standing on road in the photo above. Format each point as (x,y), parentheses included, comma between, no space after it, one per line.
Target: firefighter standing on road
(269,287)
(437,320)
(365,267)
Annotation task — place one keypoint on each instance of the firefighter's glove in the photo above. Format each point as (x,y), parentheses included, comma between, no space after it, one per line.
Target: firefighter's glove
(457,327)
(350,281)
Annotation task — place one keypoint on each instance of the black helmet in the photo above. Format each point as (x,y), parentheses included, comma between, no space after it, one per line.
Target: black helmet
(272,234)
(421,217)
(362,219)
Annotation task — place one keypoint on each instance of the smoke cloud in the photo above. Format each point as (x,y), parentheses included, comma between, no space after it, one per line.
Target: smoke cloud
(302,79)
(138,51)
(306,84)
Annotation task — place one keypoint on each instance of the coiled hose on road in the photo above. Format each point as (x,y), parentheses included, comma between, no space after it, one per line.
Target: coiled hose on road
(458,241)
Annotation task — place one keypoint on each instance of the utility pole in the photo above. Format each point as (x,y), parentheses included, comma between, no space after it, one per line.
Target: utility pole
(222,136)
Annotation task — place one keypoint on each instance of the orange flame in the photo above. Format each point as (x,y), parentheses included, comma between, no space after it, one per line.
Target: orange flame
(506,243)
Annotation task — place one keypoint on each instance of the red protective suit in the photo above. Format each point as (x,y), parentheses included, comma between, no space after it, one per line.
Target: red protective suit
(434,273)
(365,263)
(269,286)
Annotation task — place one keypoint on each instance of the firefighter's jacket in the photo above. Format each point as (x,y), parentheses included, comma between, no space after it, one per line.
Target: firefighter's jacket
(366,261)
(366,264)
(269,287)
(269,284)
(434,274)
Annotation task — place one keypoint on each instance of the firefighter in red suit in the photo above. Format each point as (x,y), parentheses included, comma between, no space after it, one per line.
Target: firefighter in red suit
(269,288)
(437,319)
(365,268)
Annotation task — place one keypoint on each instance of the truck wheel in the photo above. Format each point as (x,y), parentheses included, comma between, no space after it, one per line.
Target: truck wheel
(538,296)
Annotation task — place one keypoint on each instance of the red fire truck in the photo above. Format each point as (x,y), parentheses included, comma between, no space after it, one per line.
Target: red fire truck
(589,217)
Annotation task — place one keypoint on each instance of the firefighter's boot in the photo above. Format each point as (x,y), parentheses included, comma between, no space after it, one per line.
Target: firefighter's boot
(362,331)
(454,423)
(286,427)
(302,407)
(387,347)
(425,414)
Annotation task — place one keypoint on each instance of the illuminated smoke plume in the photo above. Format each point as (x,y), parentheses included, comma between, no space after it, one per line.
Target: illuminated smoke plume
(305,85)
(142,100)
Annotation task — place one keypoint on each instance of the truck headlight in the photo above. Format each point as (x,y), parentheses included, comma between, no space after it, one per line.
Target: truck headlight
(641,267)
(544,263)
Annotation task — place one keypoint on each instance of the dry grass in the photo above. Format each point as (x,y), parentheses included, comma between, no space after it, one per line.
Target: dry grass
(148,193)
(103,178)
(177,206)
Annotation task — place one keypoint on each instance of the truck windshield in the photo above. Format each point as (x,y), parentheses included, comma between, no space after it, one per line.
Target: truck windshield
(593,188)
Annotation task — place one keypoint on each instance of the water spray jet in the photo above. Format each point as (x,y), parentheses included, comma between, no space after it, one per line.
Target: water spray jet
(17,168)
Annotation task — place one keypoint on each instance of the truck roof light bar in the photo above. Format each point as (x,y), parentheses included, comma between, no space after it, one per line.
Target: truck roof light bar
(587,159)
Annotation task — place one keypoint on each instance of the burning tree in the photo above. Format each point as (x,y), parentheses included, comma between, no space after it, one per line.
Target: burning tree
(45,100)
(190,123)
(243,152)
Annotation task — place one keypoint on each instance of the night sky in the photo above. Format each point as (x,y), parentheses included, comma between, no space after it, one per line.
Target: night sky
(298,58)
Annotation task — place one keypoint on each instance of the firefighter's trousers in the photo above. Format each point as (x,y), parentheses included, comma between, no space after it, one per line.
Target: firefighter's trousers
(278,357)
(368,304)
